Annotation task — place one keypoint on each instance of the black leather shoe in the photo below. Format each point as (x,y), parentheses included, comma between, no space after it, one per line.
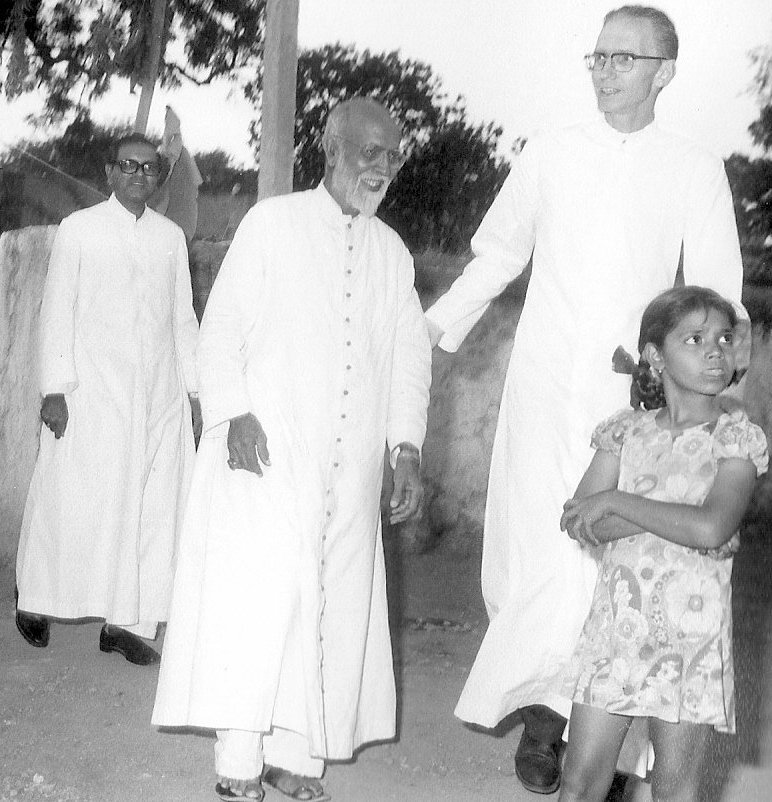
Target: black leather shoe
(537,764)
(35,629)
(133,648)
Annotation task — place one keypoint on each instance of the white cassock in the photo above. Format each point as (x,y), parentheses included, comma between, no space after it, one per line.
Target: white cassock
(605,215)
(279,610)
(118,338)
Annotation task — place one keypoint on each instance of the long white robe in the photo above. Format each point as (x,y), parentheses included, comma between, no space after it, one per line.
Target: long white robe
(604,215)
(279,609)
(118,338)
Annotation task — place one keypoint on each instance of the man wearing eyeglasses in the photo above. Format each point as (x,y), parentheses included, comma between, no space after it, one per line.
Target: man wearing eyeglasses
(604,210)
(117,362)
(314,356)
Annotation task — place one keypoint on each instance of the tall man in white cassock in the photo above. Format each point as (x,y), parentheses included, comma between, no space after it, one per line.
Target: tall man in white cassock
(604,209)
(314,355)
(117,362)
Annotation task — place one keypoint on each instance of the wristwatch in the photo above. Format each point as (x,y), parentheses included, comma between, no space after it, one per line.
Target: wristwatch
(409,450)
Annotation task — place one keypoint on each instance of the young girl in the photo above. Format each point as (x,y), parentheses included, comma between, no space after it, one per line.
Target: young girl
(666,491)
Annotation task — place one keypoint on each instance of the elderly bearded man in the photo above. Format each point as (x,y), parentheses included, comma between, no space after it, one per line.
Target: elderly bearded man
(314,355)
(117,360)
(605,209)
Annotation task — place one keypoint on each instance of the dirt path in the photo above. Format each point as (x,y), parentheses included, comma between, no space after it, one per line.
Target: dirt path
(74,723)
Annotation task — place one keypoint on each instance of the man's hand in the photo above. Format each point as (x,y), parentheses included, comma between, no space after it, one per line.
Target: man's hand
(196,418)
(435,332)
(405,502)
(247,444)
(54,413)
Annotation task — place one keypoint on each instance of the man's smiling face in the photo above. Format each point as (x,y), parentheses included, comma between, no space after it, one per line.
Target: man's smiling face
(363,171)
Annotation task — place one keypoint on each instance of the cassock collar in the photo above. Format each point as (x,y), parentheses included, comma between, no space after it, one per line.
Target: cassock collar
(118,209)
(610,136)
(331,211)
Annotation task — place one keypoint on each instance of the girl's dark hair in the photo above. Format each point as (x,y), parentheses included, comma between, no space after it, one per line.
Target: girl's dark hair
(659,318)
(669,308)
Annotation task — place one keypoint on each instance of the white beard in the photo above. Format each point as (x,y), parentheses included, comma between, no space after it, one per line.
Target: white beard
(364,200)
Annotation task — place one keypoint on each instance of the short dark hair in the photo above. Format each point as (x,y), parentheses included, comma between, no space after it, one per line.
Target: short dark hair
(664,30)
(129,139)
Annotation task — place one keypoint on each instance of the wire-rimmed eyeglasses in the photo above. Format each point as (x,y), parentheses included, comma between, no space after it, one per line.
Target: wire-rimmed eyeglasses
(621,62)
(373,153)
(130,166)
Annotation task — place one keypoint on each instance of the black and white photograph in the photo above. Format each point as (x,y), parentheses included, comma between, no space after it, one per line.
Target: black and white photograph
(385,400)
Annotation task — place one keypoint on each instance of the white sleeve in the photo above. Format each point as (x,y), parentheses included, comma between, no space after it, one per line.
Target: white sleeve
(411,371)
(58,373)
(231,311)
(185,323)
(502,246)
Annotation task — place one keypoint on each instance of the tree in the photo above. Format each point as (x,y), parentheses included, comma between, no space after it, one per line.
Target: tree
(34,193)
(453,172)
(220,176)
(80,151)
(72,51)
(442,193)
(751,179)
(751,182)
(761,129)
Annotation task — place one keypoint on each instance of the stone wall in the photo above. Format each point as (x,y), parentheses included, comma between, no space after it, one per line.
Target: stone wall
(23,265)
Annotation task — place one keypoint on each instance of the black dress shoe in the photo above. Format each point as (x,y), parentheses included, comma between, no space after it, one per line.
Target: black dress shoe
(133,648)
(35,629)
(537,764)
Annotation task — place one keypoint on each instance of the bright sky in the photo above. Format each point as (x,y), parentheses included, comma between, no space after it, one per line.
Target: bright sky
(517,63)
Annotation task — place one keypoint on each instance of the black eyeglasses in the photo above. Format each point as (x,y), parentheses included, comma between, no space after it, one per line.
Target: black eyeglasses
(130,166)
(373,153)
(621,62)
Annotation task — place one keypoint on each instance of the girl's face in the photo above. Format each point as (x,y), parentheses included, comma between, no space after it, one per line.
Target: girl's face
(697,356)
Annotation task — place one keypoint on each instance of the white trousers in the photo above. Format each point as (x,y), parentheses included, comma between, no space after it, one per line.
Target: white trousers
(144,629)
(241,754)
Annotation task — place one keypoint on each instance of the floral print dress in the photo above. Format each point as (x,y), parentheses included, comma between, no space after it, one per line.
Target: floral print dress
(658,638)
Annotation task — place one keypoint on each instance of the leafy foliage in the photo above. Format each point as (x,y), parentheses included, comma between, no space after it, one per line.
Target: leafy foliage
(81,152)
(751,182)
(751,179)
(74,50)
(34,193)
(219,175)
(442,193)
(761,129)
(453,173)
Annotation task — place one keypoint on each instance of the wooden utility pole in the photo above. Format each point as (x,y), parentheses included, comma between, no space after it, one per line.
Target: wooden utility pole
(277,116)
(151,66)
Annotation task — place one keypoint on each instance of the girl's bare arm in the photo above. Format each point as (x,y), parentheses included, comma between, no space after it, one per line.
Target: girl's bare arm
(706,526)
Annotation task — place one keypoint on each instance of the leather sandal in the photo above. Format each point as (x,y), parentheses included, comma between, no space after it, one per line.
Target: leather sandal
(224,792)
(295,786)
